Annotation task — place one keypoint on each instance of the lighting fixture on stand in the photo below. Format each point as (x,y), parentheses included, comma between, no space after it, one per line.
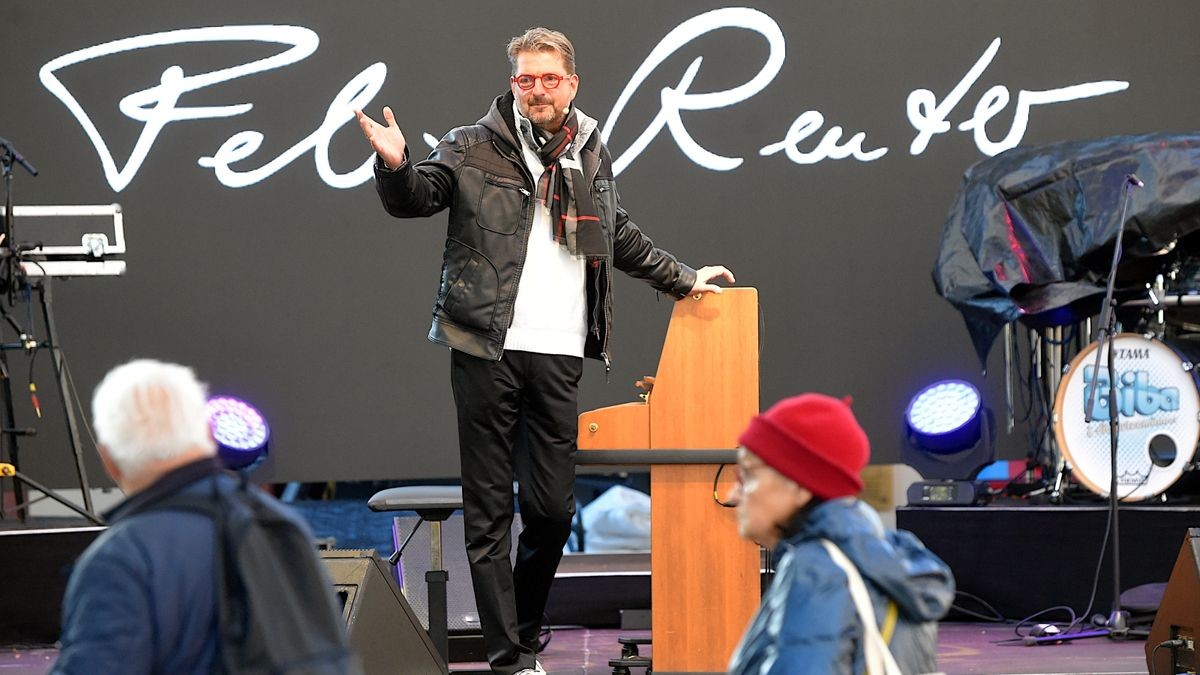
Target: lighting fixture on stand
(948,439)
(240,431)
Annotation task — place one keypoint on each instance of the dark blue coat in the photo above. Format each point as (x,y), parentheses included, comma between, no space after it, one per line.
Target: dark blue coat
(142,598)
(807,622)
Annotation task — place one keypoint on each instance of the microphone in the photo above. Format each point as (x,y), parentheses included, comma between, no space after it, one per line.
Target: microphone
(1133,179)
(16,156)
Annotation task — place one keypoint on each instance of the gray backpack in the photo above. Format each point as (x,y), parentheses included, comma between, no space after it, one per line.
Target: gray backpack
(277,607)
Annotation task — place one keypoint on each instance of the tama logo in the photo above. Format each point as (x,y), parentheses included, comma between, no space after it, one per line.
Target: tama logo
(1135,394)
(1143,353)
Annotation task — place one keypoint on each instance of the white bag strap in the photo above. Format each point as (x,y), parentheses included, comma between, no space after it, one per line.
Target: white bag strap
(879,658)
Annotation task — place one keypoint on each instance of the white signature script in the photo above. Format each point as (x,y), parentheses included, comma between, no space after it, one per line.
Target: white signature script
(159,105)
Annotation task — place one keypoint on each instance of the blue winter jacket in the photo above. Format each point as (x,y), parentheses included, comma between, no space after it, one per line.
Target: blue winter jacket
(142,597)
(808,623)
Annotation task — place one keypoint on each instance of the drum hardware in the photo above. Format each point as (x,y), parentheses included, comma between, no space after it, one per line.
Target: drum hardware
(1053,360)
(1030,372)
(1056,351)
(1011,418)
(1035,339)
(1029,398)
(1059,479)
(1157,293)
(1052,346)
(1169,299)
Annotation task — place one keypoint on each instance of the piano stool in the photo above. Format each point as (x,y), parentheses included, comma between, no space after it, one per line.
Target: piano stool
(433,504)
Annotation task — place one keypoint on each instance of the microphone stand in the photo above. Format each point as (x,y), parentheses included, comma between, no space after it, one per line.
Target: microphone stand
(1117,625)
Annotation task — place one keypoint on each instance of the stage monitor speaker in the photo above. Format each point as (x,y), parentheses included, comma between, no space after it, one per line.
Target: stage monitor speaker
(1178,615)
(383,630)
(34,568)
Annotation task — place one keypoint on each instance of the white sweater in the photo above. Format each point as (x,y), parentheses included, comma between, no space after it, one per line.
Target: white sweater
(550,313)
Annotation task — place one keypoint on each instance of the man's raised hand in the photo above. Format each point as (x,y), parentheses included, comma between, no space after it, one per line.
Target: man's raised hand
(388,141)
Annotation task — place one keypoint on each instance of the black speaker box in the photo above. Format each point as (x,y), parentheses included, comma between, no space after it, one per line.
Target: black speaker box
(1178,615)
(383,630)
(34,568)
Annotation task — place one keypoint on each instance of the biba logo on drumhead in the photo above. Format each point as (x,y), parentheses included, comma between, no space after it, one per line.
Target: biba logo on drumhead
(1135,394)
(1159,404)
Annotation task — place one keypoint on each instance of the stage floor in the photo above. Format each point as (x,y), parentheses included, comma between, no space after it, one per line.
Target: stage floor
(963,648)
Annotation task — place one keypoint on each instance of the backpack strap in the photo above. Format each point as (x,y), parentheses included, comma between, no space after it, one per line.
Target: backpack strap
(230,618)
(888,629)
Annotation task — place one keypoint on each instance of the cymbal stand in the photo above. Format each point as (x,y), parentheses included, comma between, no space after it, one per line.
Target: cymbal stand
(1157,293)
(1054,369)
(1046,356)
(1011,418)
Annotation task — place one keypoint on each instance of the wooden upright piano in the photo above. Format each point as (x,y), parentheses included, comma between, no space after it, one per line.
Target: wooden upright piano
(704,577)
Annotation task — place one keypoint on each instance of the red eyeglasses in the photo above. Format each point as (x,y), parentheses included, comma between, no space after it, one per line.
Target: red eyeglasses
(549,80)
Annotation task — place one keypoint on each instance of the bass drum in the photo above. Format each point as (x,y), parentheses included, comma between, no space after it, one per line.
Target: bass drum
(1159,414)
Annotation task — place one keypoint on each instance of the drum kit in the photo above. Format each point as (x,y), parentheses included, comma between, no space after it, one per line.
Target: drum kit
(1156,354)
(1033,241)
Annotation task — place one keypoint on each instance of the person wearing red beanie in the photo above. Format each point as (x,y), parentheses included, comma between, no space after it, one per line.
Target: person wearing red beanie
(799,469)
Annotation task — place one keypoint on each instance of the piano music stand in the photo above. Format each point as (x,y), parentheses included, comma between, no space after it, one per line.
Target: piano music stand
(30,266)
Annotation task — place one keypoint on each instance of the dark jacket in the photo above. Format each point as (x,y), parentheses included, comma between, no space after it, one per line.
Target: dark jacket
(142,598)
(478,173)
(808,623)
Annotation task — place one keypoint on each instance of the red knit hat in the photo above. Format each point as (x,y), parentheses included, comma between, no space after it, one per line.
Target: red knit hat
(814,440)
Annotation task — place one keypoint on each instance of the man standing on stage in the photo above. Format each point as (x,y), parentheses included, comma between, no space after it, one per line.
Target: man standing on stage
(535,230)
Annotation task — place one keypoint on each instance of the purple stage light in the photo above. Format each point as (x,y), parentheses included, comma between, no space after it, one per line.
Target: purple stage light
(240,431)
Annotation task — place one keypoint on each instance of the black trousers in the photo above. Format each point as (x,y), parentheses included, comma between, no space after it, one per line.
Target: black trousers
(517,419)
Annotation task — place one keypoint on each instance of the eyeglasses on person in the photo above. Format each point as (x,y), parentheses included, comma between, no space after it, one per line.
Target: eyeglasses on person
(549,80)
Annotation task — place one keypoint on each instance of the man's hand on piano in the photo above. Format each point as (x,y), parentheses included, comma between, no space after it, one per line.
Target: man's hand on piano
(705,276)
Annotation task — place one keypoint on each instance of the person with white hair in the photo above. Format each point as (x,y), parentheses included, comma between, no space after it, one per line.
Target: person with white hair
(144,597)
(149,418)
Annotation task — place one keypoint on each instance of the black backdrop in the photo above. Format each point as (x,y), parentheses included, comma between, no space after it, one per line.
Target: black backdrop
(311,302)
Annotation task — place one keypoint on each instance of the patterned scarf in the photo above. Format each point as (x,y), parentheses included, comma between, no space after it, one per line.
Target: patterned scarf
(565,193)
